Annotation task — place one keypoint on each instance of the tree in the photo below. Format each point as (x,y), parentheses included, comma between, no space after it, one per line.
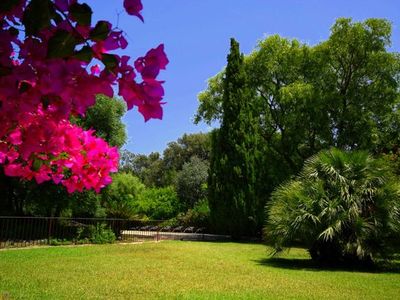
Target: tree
(198,216)
(232,179)
(311,98)
(343,92)
(360,80)
(120,197)
(132,163)
(210,107)
(154,175)
(105,118)
(46,50)
(156,170)
(181,151)
(158,203)
(343,206)
(191,183)
(149,168)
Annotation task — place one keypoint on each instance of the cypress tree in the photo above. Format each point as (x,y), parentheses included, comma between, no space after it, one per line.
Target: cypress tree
(234,156)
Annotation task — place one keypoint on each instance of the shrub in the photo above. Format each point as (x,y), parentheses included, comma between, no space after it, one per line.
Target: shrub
(344,206)
(199,216)
(191,185)
(158,203)
(96,234)
(120,197)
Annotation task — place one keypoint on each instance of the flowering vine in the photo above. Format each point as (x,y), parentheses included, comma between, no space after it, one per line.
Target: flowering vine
(53,63)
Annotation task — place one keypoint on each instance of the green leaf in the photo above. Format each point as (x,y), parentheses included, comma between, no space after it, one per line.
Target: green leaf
(37,16)
(82,13)
(37,164)
(85,54)
(110,61)
(100,31)
(61,44)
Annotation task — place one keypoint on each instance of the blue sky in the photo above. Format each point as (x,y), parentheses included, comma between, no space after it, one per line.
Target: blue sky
(196,35)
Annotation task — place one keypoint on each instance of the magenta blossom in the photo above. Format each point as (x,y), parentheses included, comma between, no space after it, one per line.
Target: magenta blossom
(133,7)
(42,85)
(150,65)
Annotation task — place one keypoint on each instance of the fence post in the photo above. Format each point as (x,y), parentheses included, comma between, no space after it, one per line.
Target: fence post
(50,221)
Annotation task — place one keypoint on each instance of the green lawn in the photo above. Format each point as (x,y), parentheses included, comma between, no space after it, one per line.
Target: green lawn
(183,270)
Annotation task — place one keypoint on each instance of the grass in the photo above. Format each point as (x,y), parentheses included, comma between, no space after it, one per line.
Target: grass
(183,270)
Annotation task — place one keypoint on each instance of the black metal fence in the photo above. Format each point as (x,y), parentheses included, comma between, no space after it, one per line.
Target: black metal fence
(30,231)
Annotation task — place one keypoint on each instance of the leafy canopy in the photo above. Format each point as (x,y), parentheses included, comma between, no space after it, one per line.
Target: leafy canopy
(343,92)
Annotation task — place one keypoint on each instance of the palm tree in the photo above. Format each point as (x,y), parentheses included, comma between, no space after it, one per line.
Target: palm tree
(342,206)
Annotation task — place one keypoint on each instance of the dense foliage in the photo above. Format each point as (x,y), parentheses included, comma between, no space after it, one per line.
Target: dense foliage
(96,234)
(162,170)
(198,216)
(234,156)
(191,182)
(342,92)
(343,206)
(121,196)
(158,204)
(175,182)
(105,118)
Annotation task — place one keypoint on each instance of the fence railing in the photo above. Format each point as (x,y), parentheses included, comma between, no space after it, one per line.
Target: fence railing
(29,231)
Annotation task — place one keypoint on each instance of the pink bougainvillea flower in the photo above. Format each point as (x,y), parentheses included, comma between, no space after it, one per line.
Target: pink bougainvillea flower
(150,65)
(115,40)
(57,178)
(131,92)
(127,71)
(95,70)
(13,170)
(42,174)
(151,111)
(15,137)
(2,157)
(42,86)
(84,31)
(153,90)
(12,155)
(3,152)
(133,7)
(63,5)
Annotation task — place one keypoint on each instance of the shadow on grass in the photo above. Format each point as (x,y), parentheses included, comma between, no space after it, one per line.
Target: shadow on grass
(227,241)
(310,265)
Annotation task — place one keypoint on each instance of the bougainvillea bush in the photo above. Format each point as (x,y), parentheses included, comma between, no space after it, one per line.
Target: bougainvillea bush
(53,62)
